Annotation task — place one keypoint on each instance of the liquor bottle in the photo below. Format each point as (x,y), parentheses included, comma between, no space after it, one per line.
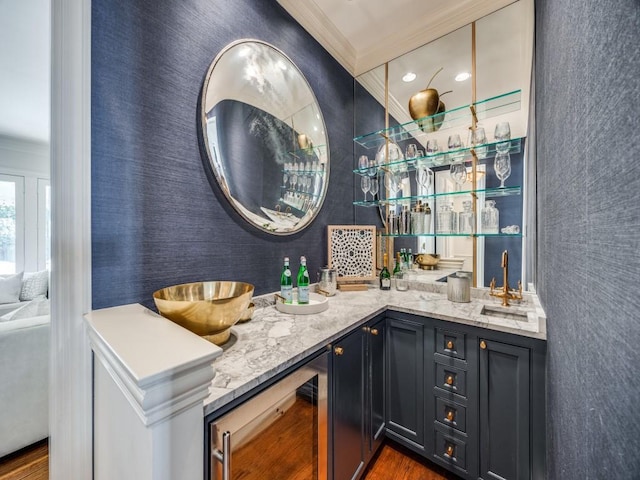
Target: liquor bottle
(409,259)
(398,267)
(385,276)
(303,282)
(286,282)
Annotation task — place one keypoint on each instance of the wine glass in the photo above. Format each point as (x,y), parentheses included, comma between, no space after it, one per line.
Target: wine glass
(285,179)
(424,177)
(502,134)
(458,172)
(365,185)
(363,164)
(373,187)
(391,181)
(502,167)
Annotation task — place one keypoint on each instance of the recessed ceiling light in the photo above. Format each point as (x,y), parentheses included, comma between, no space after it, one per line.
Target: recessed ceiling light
(409,77)
(461,77)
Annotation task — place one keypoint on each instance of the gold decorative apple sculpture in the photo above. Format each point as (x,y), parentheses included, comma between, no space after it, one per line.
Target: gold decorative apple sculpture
(428,103)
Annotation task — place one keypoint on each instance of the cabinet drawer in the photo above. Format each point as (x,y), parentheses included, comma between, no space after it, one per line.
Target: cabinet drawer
(451,379)
(451,344)
(450,450)
(451,414)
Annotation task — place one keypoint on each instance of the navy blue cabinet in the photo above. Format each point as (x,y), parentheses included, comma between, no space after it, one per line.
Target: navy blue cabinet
(406,381)
(357,402)
(469,399)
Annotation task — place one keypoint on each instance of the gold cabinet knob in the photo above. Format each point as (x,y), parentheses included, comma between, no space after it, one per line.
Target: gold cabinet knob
(338,350)
(449,380)
(450,345)
(450,415)
(483,345)
(449,450)
(374,331)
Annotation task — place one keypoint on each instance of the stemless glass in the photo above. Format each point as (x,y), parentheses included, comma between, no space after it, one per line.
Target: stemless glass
(502,136)
(363,164)
(432,151)
(365,185)
(412,151)
(479,137)
(454,143)
(502,167)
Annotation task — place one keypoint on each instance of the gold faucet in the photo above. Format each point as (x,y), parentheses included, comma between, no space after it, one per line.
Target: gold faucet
(505,292)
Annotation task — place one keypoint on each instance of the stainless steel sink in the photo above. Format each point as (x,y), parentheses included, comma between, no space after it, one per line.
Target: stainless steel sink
(502,312)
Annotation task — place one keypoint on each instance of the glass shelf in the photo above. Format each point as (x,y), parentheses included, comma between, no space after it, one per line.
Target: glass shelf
(456,117)
(488,193)
(309,152)
(452,156)
(484,235)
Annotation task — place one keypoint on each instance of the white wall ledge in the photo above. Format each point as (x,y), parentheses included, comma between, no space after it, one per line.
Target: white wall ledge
(160,367)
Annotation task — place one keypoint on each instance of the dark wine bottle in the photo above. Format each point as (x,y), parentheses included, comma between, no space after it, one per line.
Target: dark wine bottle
(385,276)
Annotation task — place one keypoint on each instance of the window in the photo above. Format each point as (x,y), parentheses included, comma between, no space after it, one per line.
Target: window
(25,223)
(11,224)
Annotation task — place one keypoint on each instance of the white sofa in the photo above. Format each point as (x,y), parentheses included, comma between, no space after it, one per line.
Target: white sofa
(24,374)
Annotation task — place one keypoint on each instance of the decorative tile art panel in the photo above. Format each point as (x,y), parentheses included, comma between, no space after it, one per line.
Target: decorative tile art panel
(351,251)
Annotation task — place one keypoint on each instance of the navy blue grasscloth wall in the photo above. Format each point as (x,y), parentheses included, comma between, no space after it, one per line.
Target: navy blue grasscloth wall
(156,219)
(587,107)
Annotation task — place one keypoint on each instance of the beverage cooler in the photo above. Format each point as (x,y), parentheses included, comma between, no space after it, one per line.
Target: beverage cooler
(281,433)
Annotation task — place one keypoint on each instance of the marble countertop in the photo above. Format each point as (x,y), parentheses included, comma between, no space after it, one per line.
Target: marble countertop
(273,341)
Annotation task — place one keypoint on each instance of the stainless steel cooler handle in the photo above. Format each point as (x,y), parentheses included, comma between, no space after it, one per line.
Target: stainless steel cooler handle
(223,456)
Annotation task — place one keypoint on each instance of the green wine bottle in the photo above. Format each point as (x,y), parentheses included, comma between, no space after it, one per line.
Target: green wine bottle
(286,282)
(398,267)
(385,276)
(303,282)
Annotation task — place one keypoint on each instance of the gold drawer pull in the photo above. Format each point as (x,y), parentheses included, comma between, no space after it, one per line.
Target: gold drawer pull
(450,450)
(338,350)
(450,345)
(374,331)
(451,415)
(449,380)
(483,345)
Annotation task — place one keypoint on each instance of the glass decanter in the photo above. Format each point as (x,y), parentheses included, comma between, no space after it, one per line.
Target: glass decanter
(490,217)
(467,219)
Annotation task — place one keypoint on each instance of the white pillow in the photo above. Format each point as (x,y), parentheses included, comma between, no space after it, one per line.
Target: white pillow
(35,308)
(34,284)
(10,286)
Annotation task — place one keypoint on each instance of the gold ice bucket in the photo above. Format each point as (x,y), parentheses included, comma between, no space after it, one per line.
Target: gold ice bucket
(208,309)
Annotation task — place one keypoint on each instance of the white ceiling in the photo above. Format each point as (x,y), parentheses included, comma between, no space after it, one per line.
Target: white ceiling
(24,69)
(363,34)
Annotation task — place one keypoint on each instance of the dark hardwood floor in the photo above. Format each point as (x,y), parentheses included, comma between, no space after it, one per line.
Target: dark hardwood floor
(30,463)
(392,462)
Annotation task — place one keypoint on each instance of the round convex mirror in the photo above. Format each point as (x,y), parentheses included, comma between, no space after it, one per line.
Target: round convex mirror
(265,137)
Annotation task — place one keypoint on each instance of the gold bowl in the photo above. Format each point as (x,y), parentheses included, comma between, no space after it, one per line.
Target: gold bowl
(208,309)
(428,261)
(247,314)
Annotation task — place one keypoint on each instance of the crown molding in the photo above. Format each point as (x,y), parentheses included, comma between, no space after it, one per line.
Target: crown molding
(429,28)
(426,29)
(320,27)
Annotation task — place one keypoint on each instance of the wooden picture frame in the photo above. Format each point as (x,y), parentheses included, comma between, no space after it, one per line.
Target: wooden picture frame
(351,250)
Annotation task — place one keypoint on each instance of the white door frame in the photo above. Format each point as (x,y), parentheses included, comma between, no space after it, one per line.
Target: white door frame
(70,419)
